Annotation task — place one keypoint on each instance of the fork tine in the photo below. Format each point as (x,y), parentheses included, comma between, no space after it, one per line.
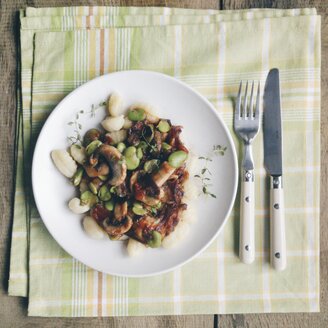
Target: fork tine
(257,108)
(250,111)
(237,106)
(245,102)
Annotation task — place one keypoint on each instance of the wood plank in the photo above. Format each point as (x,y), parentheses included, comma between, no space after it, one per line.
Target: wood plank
(299,319)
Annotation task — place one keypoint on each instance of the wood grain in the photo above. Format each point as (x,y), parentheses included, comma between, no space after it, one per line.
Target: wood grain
(13,309)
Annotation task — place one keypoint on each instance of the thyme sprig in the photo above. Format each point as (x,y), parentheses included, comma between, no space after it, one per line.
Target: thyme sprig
(153,148)
(205,174)
(94,108)
(219,150)
(77,125)
(204,177)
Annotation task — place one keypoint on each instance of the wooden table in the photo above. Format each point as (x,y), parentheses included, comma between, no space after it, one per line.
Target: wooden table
(13,310)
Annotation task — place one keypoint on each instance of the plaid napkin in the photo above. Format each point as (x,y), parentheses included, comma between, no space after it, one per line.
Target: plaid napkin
(61,48)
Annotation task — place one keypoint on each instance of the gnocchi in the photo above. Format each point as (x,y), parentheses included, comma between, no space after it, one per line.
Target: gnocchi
(92,228)
(64,162)
(115,104)
(112,124)
(78,153)
(76,207)
(117,136)
(177,236)
(135,248)
(127,123)
(191,191)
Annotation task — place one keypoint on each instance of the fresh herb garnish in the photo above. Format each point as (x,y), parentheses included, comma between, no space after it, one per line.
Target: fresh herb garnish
(205,174)
(219,150)
(153,148)
(77,126)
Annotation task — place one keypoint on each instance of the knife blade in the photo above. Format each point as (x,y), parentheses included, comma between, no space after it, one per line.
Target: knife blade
(273,163)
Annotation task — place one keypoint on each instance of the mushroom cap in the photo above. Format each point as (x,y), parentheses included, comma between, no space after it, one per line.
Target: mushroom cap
(114,230)
(93,171)
(118,167)
(120,210)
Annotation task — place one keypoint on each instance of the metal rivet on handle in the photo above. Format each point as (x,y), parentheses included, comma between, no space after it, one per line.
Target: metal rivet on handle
(247,199)
(247,248)
(277,255)
(276,206)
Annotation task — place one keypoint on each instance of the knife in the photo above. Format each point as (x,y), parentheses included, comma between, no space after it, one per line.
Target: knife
(273,164)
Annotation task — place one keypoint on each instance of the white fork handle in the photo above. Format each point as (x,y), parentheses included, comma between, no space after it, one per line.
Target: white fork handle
(277,226)
(246,234)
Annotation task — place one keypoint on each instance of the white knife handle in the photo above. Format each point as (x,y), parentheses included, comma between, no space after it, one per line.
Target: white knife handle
(246,233)
(278,254)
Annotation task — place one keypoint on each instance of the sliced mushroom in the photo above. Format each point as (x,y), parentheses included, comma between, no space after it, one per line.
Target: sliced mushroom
(114,230)
(120,210)
(142,196)
(163,174)
(114,160)
(146,223)
(133,179)
(151,201)
(93,172)
(93,159)
(91,135)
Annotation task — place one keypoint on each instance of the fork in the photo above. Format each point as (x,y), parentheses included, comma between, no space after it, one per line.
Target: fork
(246,126)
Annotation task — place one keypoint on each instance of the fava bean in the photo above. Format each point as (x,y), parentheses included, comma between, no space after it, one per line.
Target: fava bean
(103,177)
(104,193)
(163,126)
(93,188)
(156,240)
(93,146)
(131,159)
(121,147)
(139,153)
(177,158)
(137,114)
(142,145)
(88,198)
(109,205)
(138,209)
(77,177)
(166,146)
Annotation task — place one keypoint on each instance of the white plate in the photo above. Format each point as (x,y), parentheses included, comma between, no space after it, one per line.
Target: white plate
(203,128)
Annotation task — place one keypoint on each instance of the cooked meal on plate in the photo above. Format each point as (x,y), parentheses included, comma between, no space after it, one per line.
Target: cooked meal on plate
(133,177)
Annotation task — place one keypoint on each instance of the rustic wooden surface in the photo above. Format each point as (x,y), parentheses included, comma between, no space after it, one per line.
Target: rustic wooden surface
(13,310)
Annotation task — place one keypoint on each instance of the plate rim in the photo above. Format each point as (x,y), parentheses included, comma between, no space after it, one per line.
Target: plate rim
(215,112)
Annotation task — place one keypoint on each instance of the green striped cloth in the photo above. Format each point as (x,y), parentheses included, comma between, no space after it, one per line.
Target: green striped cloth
(61,48)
